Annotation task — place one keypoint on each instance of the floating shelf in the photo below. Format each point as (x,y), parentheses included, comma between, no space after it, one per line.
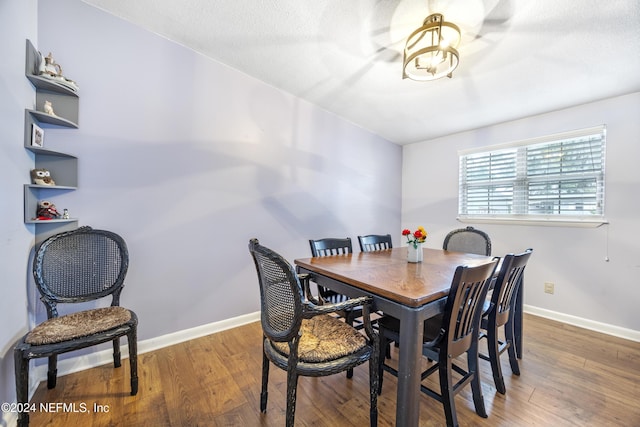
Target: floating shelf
(63,166)
(43,117)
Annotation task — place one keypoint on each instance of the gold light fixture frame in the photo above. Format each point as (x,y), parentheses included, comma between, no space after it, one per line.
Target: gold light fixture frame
(431,50)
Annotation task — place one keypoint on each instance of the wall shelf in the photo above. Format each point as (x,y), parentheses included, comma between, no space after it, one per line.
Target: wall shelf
(42,117)
(62,166)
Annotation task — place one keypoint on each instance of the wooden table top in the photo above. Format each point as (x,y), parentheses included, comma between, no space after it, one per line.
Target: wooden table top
(388,274)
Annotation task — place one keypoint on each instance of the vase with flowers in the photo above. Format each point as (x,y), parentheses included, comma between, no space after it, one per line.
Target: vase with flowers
(415,240)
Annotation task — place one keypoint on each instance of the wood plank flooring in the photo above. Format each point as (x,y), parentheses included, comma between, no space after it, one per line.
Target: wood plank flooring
(569,377)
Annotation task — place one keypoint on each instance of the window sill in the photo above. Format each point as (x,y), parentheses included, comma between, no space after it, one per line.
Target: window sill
(545,222)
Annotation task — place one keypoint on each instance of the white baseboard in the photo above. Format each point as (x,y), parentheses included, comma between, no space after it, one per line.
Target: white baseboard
(80,363)
(592,325)
(9,419)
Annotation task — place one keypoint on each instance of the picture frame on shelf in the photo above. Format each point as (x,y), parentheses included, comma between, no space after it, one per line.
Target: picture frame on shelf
(37,136)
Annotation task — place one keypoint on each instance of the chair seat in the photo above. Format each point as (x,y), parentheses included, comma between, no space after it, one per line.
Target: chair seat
(324,338)
(77,325)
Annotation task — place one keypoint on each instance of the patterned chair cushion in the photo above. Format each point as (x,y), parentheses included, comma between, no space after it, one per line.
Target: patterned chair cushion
(76,325)
(324,338)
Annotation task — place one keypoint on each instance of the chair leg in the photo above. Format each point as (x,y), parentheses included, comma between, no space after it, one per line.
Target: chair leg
(494,358)
(374,369)
(22,385)
(132,339)
(117,360)
(349,321)
(292,383)
(512,350)
(446,391)
(52,373)
(476,384)
(265,379)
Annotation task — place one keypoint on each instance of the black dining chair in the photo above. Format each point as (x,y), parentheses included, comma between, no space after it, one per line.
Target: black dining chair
(498,313)
(448,336)
(303,338)
(75,267)
(469,240)
(328,247)
(375,242)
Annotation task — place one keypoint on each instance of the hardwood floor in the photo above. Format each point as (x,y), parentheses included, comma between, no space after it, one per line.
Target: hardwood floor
(569,377)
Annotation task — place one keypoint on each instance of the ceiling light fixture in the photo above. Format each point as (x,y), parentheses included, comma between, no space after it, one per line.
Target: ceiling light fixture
(430,52)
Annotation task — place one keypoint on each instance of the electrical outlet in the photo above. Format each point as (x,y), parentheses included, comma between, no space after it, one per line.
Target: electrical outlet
(548,287)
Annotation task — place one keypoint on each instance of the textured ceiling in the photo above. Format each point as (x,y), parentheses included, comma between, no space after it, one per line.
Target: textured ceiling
(517,58)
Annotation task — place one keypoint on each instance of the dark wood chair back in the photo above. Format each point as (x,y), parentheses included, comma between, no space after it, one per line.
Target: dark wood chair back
(461,319)
(330,246)
(327,247)
(375,242)
(505,291)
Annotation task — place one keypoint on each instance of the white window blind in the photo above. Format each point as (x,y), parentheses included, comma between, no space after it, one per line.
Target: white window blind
(555,177)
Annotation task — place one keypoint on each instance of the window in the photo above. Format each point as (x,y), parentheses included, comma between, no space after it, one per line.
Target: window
(554,178)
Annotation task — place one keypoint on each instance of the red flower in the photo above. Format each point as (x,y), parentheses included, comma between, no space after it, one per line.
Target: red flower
(418,236)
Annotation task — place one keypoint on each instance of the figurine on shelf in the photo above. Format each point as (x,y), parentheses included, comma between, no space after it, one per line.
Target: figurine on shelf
(49,66)
(48,108)
(47,211)
(42,177)
(65,214)
(50,69)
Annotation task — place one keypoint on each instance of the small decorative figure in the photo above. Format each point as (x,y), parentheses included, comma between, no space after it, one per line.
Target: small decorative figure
(47,210)
(50,69)
(42,177)
(48,108)
(49,66)
(65,214)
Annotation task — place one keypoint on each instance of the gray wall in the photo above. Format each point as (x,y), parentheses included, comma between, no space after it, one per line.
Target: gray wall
(587,287)
(17,23)
(187,159)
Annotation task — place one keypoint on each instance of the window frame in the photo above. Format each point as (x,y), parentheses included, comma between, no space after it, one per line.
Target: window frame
(506,167)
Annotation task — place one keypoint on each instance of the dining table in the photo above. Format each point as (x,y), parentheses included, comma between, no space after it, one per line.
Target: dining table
(411,292)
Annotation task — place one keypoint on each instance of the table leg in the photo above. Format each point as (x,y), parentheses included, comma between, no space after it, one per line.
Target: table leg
(408,401)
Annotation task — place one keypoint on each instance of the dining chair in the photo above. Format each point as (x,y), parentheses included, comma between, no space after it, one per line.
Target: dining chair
(372,243)
(469,240)
(498,312)
(303,338)
(375,242)
(448,336)
(328,247)
(76,267)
